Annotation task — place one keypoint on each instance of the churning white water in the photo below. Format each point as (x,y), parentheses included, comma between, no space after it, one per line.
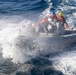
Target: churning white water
(10,31)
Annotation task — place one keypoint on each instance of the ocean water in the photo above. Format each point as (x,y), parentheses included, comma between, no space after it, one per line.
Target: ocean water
(23,55)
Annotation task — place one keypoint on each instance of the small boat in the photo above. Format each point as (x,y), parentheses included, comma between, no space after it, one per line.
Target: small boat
(46,43)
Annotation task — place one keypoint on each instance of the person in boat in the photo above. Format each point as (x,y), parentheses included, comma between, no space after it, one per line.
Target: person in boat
(43,24)
(61,24)
(53,16)
(52,21)
(35,28)
(49,21)
(47,24)
(62,20)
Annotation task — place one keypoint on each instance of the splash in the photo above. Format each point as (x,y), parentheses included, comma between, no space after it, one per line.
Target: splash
(65,62)
(8,36)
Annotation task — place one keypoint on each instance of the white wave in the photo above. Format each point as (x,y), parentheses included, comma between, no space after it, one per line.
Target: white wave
(9,33)
(66,62)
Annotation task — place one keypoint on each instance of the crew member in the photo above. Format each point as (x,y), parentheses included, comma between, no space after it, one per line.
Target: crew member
(62,20)
(53,16)
(44,23)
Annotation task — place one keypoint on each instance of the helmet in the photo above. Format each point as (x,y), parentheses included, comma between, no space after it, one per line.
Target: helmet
(53,12)
(60,14)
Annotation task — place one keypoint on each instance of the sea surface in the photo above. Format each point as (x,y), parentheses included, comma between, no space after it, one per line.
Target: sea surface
(20,55)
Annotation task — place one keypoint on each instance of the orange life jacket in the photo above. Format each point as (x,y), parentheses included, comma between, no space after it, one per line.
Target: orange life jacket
(53,16)
(45,20)
(61,19)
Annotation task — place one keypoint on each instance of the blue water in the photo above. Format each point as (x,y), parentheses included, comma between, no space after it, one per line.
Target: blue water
(22,6)
(14,59)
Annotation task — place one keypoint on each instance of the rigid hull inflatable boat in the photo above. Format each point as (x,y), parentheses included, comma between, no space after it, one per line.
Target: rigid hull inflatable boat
(46,43)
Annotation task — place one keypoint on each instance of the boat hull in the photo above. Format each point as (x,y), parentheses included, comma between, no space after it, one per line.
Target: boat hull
(45,43)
